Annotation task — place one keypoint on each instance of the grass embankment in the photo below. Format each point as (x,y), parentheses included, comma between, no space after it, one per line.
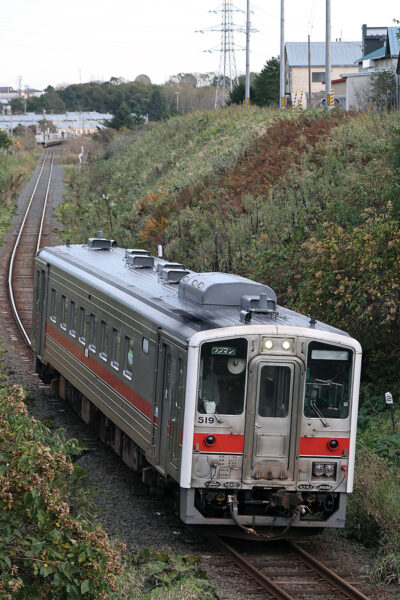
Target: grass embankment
(152,167)
(15,170)
(48,548)
(311,206)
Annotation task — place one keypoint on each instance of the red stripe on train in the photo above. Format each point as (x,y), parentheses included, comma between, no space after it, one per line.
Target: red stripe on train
(224,443)
(318,446)
(112,380)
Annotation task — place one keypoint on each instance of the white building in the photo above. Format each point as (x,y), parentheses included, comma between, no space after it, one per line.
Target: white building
(343,60)
(71,123)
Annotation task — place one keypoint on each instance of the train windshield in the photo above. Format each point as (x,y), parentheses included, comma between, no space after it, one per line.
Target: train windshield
(222,377)
(328,381)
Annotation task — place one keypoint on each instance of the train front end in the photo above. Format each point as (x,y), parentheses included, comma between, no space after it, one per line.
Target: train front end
(270,427)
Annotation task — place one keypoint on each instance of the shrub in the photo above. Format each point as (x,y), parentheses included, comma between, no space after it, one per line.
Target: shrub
(373,515)
(42,546)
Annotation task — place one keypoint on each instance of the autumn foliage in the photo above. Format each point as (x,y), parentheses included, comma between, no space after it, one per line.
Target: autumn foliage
(42,545)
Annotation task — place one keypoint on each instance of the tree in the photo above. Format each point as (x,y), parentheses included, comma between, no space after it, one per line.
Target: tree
(382,90)
(46,125)
(55,102)
(17,106)
(238,94)
(69,97)
(266,84)
(157,107)
(5,141)
(38,104)
(122,118)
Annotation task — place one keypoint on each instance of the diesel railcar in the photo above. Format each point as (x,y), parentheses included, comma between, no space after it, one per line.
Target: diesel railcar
(202,382)
(49,139)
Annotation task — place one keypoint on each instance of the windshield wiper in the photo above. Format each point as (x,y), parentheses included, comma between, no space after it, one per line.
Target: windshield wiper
(318,413)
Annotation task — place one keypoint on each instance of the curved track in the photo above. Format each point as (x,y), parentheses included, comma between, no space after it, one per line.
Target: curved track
(284,571)
(27,243)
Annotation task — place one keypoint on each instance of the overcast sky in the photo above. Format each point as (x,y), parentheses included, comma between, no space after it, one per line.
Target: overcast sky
(58,41)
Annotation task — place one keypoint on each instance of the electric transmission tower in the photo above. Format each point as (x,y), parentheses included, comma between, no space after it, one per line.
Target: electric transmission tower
(227,72)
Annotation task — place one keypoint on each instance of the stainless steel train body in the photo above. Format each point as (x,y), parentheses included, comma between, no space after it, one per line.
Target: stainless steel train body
(250,409)
(49,139)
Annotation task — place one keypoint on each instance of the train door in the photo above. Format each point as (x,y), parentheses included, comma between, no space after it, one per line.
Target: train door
(270,437)
(175,426)
(39,310)
(167,411)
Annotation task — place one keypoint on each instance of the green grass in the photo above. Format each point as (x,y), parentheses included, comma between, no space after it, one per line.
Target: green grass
(15,171)
(153,166)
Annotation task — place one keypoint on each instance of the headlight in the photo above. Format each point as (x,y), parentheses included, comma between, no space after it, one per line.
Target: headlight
(268,344)
(286,344)
(318,469)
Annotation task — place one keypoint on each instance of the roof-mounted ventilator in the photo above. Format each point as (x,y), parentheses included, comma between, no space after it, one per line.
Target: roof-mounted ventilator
(136,258)
(100,243)
(171,272)
(261,304)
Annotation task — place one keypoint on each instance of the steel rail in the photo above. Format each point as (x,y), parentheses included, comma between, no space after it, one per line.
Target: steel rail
(322,571)
(39,239)
(335,580)
(14,253)
(264,581)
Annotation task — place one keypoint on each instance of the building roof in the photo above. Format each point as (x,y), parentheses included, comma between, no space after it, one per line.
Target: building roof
(389,49)
(378,53)
(343,54)
(69,120)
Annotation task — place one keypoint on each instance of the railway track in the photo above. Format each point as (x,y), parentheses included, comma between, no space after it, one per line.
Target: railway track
(27,243)
(282,570)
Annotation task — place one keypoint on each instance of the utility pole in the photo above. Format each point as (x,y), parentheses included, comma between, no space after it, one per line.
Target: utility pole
(328,56)
(309,72)
(247,92)
(282,58)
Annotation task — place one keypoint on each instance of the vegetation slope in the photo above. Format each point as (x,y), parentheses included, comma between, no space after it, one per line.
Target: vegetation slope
(309,204)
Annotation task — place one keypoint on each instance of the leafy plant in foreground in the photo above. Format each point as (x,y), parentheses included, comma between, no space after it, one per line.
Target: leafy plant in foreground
(42,547)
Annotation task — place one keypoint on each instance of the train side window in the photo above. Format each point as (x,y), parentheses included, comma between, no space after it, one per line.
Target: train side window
(82,325)
(128,357)
(64,312)
(103,340)
(115,349)
(145,345)
(92,332)
(53,300)
(72,319)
